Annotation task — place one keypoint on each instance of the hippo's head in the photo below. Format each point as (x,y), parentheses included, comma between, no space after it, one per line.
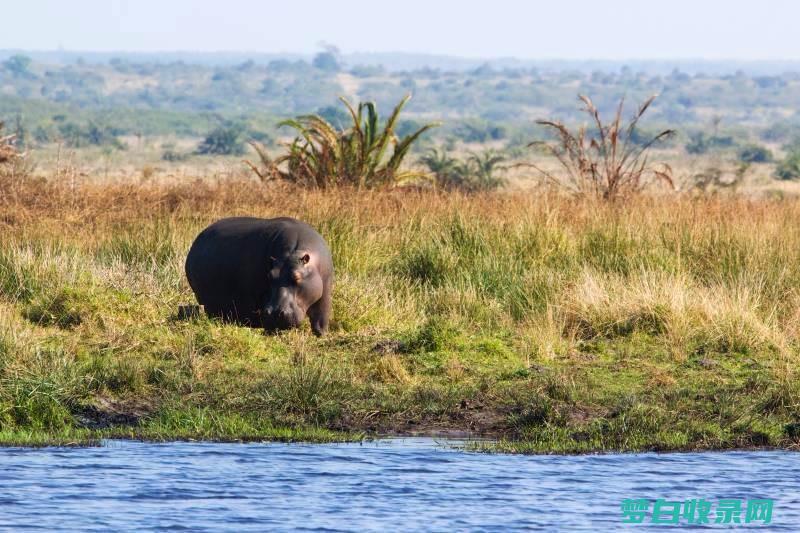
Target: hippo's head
(295,285)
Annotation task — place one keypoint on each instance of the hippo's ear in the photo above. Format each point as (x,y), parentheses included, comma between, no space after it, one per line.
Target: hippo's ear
(305,259)
(270,262)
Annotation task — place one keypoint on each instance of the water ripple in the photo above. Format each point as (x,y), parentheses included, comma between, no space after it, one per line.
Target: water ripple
(408,484)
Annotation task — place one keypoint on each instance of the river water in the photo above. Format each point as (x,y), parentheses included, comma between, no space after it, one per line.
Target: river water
(397,484)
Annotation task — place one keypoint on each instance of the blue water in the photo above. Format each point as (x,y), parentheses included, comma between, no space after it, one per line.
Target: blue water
(400,484)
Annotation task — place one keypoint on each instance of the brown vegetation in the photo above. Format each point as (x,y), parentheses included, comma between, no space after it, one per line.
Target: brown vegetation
(8,152)
(609,163)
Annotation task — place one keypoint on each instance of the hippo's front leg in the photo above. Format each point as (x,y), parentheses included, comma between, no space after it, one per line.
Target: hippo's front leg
(320,314)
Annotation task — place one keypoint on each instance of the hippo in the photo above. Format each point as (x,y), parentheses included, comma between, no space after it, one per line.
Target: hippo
(265,273)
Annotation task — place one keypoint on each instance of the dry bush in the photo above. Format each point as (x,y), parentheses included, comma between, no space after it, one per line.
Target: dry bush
(12,165)
(15,167)
(8,152)
(603,161)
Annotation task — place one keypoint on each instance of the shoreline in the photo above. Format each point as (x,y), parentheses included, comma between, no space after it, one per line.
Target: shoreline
(467,442)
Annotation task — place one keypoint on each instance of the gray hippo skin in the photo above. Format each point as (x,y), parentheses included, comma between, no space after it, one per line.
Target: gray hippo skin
(259,272)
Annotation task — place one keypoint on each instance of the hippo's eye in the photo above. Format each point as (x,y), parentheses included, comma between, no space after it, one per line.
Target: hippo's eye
(305,259)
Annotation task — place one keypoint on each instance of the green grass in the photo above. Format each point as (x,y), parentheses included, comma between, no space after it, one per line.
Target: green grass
(553,325)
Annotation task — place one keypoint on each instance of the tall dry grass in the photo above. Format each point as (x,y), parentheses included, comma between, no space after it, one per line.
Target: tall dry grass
(512,255)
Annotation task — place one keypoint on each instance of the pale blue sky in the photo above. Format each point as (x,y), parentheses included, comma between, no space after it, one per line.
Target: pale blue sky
(568,29)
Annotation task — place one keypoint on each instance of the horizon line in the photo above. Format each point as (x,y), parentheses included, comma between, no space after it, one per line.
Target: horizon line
(408,53)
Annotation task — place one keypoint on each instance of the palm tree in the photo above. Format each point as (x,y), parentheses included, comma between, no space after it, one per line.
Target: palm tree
(485,164)
(364,155)
(476,173)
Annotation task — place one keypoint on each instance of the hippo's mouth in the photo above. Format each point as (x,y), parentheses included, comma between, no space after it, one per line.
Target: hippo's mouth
(275,322)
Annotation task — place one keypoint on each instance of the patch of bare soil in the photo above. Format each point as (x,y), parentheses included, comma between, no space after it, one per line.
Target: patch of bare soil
(109,412)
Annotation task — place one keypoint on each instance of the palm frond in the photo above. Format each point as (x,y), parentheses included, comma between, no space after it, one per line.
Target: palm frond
(364,155)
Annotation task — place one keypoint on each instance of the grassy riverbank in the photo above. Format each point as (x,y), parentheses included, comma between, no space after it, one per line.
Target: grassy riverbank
(557,325)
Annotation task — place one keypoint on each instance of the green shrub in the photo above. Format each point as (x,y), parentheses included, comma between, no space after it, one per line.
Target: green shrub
(754,153)
(326,61)
(171,154)
(224,140)
(91,134)
(789,168)
(700,143)
(474,131)
(18,65)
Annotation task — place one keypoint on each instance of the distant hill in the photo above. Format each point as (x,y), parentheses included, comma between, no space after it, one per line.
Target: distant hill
(98,99)
(401,61)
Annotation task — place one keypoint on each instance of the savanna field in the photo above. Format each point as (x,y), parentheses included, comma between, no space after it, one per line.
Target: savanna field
(555,324)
